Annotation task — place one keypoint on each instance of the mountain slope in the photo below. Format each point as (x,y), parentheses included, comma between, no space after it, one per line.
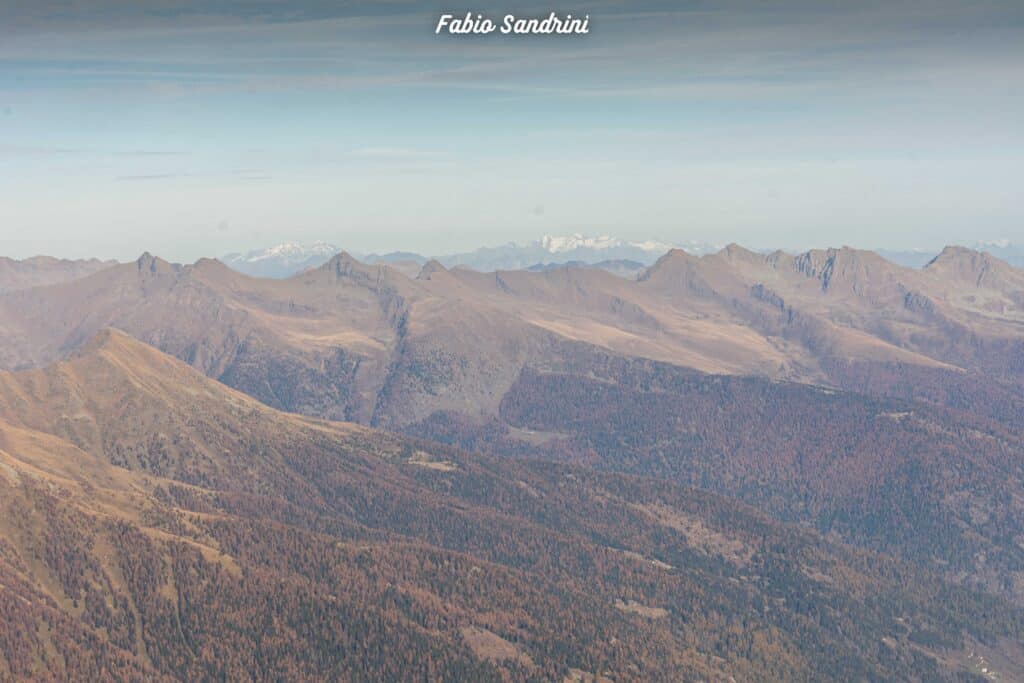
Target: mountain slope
(932,485)
(293,344)
(159,525)
(368,343)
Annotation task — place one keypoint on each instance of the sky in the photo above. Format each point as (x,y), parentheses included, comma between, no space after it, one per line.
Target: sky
(193,128)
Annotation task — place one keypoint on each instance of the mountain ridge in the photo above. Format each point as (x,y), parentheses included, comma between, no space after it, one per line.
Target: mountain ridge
(258,533)
(288,258)
(40,271)
(734,311)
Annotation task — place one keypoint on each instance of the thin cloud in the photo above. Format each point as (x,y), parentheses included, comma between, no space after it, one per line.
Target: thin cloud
(43,151)
(151,176)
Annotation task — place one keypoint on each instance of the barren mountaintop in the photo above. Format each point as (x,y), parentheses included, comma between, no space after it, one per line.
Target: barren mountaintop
(369,343)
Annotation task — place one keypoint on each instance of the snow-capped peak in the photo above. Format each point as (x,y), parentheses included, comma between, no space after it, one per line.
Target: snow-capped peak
(651,245)
(292,252)
(556,245)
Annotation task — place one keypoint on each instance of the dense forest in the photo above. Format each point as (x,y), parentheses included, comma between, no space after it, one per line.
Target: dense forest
(923,480)
(261,546)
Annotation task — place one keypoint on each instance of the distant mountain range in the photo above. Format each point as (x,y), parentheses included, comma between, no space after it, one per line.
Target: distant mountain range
(281,260)
(621,267)
(573,248)
(918,258)
(289,258)
(1005,250)
(45,270)
(855,428)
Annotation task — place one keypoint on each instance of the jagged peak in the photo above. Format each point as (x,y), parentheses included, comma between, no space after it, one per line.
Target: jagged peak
(832,256)
(779,258)
(215,270)
(344,264)
(736,253)
(844,251)
(953,253)
(856,267)
(342,257)
(207,262)
(673,258)
(430,268)
(677,253)
(678,269)
(972,266)
(147,263)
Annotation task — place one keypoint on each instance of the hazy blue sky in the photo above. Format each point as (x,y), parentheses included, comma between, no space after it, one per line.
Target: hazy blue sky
(192,128)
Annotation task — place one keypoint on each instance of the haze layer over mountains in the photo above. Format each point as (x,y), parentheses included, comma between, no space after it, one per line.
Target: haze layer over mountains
(736,464)
(289,258)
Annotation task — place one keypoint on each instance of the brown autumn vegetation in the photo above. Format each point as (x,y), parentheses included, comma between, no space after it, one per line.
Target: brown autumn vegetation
(155,524)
